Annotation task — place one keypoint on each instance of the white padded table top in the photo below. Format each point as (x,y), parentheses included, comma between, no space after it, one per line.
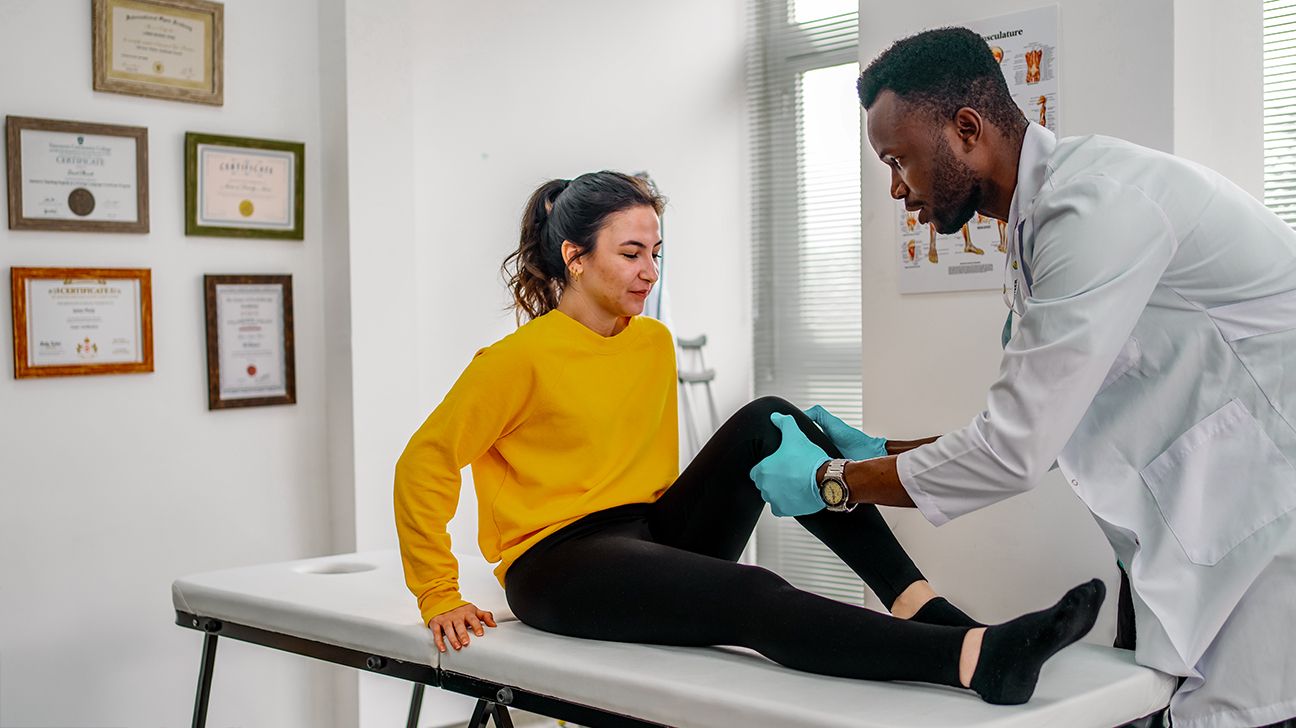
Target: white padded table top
(359,601)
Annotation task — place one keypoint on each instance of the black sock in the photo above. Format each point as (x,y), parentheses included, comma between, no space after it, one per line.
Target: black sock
(939,611)
(1013,652)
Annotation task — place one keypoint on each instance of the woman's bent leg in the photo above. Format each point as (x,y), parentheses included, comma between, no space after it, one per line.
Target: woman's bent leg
(712,507)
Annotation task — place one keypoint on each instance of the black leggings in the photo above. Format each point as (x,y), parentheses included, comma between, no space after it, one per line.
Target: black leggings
(665,573)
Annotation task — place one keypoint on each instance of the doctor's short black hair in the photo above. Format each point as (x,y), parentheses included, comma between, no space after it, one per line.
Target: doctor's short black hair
(943,70)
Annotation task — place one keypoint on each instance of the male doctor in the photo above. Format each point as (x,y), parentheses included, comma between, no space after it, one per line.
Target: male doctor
(1150,352)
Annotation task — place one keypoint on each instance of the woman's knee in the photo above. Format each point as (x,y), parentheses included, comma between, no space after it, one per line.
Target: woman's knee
(758,411)
(753,424)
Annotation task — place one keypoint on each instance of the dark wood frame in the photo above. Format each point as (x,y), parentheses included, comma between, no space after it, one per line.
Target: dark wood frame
(213,95)
(298,149)
(14,125)
(214,401)
(18,278)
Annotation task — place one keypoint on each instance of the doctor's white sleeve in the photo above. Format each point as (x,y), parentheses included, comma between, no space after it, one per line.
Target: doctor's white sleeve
(1100,248)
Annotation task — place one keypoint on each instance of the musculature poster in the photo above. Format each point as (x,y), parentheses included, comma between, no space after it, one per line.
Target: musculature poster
(972,259)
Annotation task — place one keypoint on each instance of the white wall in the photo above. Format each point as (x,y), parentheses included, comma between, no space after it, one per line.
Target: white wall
(1218,88)
(112,486)
(385,313)
(1124,72)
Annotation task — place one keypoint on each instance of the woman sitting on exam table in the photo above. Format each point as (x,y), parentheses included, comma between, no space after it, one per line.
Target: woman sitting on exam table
(570,426)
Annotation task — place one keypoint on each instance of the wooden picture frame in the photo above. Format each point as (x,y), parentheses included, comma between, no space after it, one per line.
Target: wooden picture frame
(164,49)
(255,343)
(69,176)
(64,319)
(244,188)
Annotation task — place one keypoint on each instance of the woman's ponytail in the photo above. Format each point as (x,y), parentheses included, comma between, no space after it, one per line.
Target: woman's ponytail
(535,278)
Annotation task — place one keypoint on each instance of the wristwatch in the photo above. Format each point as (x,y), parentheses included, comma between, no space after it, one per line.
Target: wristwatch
(833,490)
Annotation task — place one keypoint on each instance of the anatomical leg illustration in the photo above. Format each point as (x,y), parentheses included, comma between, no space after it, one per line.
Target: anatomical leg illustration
(1033,59)
(968,247)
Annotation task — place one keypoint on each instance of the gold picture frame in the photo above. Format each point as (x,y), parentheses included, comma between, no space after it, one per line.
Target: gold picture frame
(164,49)
(84,301)
(80,200)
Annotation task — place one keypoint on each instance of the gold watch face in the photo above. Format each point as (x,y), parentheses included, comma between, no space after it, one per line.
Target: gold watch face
(832,492)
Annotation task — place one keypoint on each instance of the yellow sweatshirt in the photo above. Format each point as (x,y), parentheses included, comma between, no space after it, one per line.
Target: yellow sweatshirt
(558,422)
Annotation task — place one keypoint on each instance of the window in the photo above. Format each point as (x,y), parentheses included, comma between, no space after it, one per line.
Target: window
(805,134)
(1280,108)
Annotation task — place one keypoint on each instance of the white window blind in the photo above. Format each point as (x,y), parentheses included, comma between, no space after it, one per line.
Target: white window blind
(805,134)
(1280,108)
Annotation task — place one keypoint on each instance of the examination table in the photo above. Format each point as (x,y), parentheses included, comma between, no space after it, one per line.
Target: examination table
(354,610)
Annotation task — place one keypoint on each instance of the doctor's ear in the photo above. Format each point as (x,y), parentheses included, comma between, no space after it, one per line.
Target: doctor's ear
(969,126)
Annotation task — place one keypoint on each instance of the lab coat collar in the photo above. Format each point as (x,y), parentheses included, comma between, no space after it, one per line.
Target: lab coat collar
(1037,147)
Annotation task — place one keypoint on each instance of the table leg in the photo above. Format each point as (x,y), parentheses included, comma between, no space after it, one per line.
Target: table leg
(204,681)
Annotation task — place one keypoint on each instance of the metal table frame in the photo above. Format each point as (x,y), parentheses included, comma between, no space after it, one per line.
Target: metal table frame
(493,700)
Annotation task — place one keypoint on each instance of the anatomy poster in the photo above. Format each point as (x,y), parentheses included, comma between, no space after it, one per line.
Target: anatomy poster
(1025,44)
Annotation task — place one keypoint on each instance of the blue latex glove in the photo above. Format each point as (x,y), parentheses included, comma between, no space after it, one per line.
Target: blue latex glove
(786,479)
(854,445)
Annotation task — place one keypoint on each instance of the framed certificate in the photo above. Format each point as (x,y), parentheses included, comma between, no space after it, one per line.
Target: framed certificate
(77,176)
(167,49)
(250,359)
(244,188)
(76,321)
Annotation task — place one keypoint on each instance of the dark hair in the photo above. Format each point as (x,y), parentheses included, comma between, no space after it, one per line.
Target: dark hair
(572,210)
(944,70)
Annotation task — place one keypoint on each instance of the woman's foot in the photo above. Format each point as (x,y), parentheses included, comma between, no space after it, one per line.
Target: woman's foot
(1009,655)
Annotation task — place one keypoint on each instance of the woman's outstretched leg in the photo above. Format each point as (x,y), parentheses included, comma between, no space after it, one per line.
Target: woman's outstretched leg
(712,508)
(612,582)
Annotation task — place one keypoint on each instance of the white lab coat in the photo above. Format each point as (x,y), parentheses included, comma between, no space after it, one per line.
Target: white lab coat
(1150,362)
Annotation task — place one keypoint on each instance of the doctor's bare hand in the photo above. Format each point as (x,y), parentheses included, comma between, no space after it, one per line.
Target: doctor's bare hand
(453,626)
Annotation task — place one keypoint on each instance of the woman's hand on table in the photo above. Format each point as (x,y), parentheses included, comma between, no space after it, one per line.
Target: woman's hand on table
(453,626)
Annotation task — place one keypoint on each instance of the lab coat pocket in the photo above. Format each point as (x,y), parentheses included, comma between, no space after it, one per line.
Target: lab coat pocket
(1220,482)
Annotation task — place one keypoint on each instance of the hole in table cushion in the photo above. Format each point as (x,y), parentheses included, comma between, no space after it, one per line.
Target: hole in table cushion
(335,567)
